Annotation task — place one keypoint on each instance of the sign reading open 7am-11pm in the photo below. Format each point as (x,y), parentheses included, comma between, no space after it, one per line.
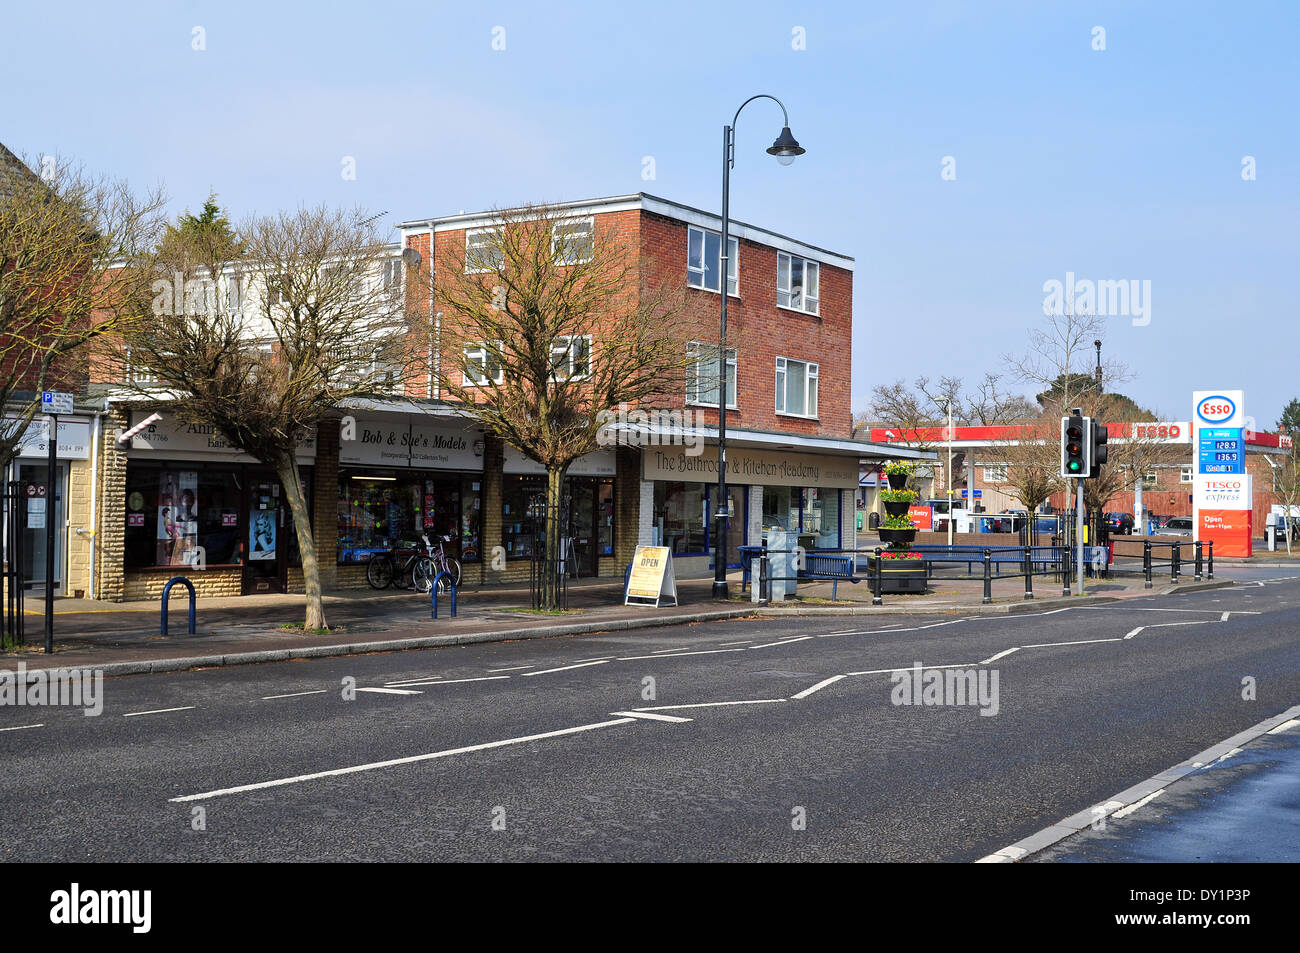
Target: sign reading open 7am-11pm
(1222,492)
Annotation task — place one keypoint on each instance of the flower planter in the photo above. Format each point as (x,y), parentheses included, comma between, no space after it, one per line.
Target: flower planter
(897,509)
(897,535)
(900,576)
(897,481)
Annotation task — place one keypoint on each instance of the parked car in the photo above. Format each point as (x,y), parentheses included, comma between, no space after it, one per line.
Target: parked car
(1177,526)
(1121,523)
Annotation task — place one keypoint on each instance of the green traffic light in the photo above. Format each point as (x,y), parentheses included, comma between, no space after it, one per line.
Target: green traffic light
(1074,466)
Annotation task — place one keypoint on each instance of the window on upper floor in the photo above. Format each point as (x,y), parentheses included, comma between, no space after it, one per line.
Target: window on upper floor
(1185,475)
(482,251)
(798,283)
(702,375)
(703,262)
(483,364)
(571,357)
(393,273)
(571,242)
(995,474)
(796,387)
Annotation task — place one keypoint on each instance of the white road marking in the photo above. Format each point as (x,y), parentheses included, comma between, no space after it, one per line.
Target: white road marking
(375,765)
(513,668)
(420,680)
(651,716)
(319,691)
(768,645)
(390,691)
(158,711)
(1126,811)
(598,658)
(565,668)
(1135,632)
(676,649)
(744,642)
(818,687)
(755,701)
(23,727)
(1046,645)
(637,658)
(454,681)
(1285,726)
(1002,654)
(908,668)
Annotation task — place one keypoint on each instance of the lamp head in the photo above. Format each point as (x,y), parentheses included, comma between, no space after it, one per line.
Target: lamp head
(786,148)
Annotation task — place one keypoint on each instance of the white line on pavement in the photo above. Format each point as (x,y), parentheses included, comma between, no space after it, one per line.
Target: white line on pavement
(319,691)
(908,668)
(1002,654)
(158,711)
(455,681)
(818,687)
(768,645)
(375,765)
(637,658)
(390,691)
(755,701)
(1285,726)
(565,668)
(651,716)
(514,668)
(676,649)
(742,642)
(23,727)
(1135,632)
(1048,645)
(417,680)
(598,658)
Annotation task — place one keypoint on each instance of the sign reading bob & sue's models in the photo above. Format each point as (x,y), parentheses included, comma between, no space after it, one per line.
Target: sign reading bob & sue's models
(420,444)
(751,466)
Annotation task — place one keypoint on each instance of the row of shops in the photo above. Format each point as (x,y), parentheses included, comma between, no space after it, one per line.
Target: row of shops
(174,499)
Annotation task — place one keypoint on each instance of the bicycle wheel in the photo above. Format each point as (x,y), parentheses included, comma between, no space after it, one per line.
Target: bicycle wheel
(379,571)
(422,573)
(450,566)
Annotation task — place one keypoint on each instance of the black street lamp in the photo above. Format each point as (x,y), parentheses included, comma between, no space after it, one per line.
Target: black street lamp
(785,148)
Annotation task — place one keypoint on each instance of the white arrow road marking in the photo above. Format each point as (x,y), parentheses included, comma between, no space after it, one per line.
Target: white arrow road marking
(651,716)
(319,691)
(818,687)
(375,765)
(454,681)
(1004,654)
(755,701)
(390,691)
(565,668)
(158,711)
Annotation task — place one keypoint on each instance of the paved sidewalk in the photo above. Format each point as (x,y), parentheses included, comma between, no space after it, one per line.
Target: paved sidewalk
(123,638)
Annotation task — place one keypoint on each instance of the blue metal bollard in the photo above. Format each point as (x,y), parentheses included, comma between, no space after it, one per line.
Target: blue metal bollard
(433,594)
(167,590)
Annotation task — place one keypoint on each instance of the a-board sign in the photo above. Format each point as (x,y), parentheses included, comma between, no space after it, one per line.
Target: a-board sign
(651,579)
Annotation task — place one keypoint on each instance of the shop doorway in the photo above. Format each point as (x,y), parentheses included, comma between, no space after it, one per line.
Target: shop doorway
(738,501)
(44,506)
(265,566)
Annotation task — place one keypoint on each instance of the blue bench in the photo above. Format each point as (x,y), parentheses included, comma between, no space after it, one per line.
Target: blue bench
(836,568)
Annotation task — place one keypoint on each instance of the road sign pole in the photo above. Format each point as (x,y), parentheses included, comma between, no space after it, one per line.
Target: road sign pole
(51,495)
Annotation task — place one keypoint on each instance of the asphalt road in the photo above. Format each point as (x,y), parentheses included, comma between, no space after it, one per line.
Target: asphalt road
(803,769)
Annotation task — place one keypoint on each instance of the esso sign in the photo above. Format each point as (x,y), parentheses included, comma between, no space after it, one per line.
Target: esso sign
(1216,410)
(1162,431)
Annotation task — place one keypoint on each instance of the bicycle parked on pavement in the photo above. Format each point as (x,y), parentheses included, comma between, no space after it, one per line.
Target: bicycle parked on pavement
(421,568)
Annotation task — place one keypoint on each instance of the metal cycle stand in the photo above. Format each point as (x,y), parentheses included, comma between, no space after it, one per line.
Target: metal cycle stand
(433,593)
(167,591)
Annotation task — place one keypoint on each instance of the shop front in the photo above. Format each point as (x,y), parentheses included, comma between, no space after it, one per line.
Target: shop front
(403,476)
(197,507)
(587,515)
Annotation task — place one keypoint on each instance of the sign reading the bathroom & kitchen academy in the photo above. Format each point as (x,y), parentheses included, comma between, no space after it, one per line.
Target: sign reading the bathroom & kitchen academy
(423,444)
(746,465)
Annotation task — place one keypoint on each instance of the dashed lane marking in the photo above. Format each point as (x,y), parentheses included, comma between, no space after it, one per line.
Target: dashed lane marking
(565,668)
(652,716)
(390,691)
(454,681)
(23,727)
(1002,654)
(818,687)
(158,711)
(768,645)
(637,658)
(319,691)
(752,701)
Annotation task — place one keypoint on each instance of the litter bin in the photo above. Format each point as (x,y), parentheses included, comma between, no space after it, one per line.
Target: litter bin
(873,520)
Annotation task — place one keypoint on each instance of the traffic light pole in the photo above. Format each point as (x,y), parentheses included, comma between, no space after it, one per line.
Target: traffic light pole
(1078,537)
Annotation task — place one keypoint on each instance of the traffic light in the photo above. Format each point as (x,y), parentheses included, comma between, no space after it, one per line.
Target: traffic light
(1100,436)
(1075,446)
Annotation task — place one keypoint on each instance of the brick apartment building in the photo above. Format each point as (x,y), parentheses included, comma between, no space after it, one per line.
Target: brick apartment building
(422,465)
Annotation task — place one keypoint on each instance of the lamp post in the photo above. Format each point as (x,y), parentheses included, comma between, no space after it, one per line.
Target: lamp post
(786,148)
(947,404)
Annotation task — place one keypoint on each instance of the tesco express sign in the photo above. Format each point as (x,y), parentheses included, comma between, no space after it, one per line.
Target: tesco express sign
(1217,409)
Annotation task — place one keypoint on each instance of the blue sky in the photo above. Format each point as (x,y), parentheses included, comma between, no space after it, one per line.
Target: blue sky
(1124,163)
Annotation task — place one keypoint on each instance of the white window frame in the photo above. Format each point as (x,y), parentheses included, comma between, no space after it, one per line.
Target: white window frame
(1187,475)
(995,473)
(471,234)
(482,354)
(393,273)
(807,304)
(586,223)
(275,294)
(811,387)
(704,355)
(563,353)
(1150,479)
(733,261)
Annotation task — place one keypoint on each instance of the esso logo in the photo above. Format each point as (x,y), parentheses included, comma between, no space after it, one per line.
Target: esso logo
(1161,431)
(1215,410)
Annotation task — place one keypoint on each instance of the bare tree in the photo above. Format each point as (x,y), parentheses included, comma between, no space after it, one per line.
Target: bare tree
(61,235)
(1032,457)
(1286,475)
(278,326)
(547,326)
